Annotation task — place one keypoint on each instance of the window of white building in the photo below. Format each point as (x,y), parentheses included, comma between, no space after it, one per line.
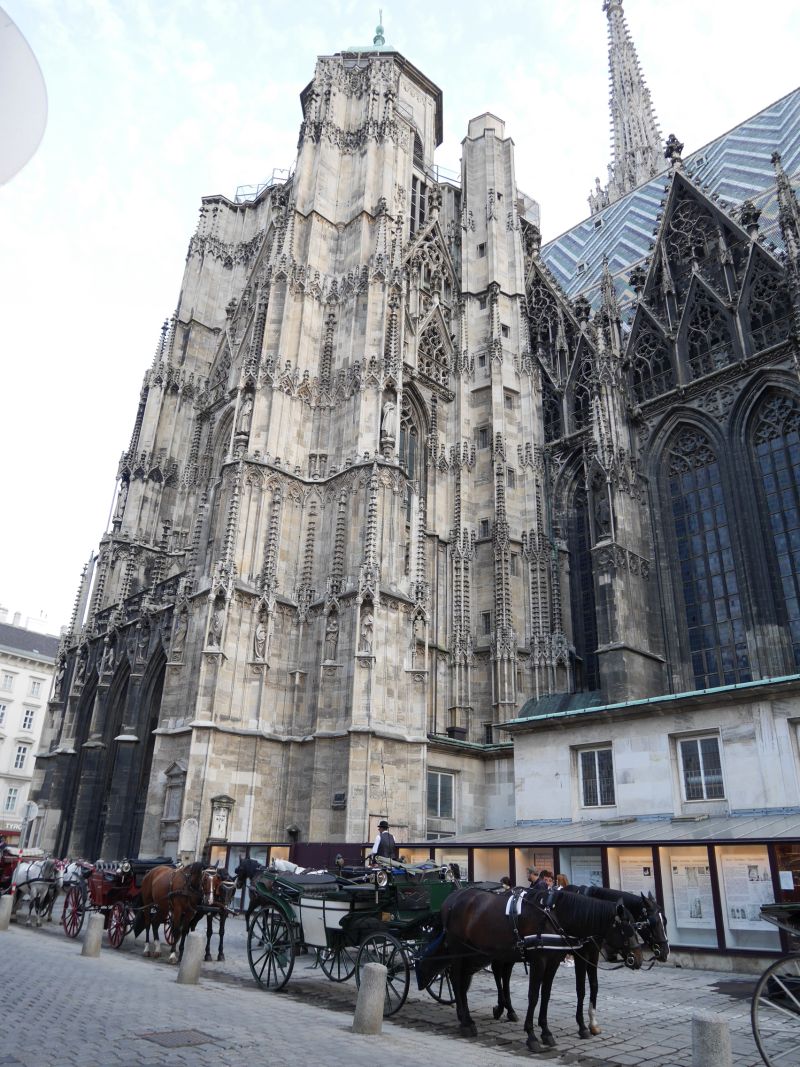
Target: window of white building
(441,789)
(701,768)
(3,710)
(19,759)
(36,688)
(11,799)
(6,681)
(597,777)
(27,719)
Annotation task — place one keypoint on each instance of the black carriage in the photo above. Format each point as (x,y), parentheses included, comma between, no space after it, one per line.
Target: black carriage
(111,890)
(775,1008)
(388,915)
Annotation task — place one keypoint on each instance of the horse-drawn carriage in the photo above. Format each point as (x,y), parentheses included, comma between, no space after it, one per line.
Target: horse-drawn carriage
(8,864)
(111,890)
(388,914)
(775,1008)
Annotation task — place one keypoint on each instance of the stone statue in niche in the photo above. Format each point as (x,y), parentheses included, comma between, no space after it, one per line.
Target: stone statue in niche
(246,414)
(389,422)
(122,500)
(260,641)
(62,670)
(331,636)
(367,628)
(80,670)
(181,628)
(215,629)
(109,658)
(602,510)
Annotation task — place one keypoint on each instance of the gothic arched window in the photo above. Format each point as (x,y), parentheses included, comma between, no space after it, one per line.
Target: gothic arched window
(769,309)
(432,357)
(581,591)
(706,577)
(582,395)
(551,413)
(652,367)
(709,344)
(410,452)
(776,444)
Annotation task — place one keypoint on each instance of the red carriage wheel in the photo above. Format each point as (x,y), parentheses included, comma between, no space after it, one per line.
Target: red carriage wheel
(119,923)
(74,912)
(168,931)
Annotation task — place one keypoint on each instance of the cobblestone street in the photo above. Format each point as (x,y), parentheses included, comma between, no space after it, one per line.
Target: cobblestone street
(123,1010)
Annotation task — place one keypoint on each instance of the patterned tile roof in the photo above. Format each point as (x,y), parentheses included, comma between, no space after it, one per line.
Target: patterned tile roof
(732,168)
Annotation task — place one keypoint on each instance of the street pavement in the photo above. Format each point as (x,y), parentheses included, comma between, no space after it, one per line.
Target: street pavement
(59,1009)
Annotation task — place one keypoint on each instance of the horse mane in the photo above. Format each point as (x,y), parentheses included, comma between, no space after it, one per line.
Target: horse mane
(585,915)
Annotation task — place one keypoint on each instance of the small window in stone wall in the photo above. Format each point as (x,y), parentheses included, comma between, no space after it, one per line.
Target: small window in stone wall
(441,795)
(486,623)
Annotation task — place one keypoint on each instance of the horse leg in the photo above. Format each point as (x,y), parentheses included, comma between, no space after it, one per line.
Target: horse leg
(580,993)
(536,965)
(220,953)
(497,974)
(461,982)
(502,979)
(552,962)
(209,932)
(594,1025)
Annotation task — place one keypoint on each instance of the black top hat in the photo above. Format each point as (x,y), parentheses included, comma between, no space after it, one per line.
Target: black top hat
(383,825)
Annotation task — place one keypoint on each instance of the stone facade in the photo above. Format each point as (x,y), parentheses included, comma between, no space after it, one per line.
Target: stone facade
(27,660)
(386,482)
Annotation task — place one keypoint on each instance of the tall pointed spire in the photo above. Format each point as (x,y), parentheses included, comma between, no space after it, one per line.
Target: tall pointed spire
(636,139)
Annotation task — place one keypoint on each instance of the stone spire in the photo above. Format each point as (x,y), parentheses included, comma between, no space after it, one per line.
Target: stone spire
(635,134)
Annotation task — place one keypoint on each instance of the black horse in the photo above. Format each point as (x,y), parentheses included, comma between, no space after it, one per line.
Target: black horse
(481,927)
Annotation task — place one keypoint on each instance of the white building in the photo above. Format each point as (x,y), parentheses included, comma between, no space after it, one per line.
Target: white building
(27,662)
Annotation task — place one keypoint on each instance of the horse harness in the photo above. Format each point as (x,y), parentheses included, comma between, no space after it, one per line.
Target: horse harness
(559,941)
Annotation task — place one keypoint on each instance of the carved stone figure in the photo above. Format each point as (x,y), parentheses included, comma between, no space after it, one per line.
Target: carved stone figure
(367,628)
(59,680)
(181,627)
(260,641)
(122,500)
(215,630)
(331,636)
(389,421)
(246,414)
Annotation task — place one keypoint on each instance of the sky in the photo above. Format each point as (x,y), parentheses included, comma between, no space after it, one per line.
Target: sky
(156,103)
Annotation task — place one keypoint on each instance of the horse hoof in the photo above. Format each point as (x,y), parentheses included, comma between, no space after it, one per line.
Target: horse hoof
(497,1011)
(532,1044)
(470,1030)
(207,958)
(584,1032)
(549,1040)
(595,1030)
(221,958)
(512,1016)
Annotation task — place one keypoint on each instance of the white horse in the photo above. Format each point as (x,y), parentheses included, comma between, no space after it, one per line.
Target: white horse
(36,880)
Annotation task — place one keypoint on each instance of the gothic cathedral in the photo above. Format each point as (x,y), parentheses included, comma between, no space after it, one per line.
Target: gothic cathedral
(398,469)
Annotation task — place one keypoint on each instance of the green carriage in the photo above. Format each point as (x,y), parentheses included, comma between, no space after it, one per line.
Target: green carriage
(389,914)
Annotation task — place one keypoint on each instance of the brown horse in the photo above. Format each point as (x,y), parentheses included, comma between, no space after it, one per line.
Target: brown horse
(482,928)
(176,894)
(222,894)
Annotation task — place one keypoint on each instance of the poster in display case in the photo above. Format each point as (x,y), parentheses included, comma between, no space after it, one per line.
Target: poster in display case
(748,885)
(636,876)
(691,890)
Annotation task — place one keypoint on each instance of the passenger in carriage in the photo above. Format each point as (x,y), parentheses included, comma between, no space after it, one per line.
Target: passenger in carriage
(385,844)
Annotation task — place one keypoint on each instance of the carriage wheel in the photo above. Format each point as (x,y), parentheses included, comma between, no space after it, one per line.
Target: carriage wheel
(441,988)
(119,923)
(386,949)
(73,912)
(168,930)
(338,963)
(270,948)
(775,1010)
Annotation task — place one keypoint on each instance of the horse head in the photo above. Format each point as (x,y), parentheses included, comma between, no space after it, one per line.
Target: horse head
(622,938)
(209,884)
(654,927)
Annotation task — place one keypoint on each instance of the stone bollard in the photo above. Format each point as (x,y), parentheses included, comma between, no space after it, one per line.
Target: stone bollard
(711,1041)
(368,1018)
(93,936)
(6,903)
(193,951)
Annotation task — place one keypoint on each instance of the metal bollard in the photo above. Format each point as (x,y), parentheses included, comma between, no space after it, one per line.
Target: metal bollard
(93,936)
(192,959)
(368,1018)
(711,1041)
(6,903)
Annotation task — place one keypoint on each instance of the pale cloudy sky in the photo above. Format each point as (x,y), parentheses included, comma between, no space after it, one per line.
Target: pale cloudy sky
(153,104)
